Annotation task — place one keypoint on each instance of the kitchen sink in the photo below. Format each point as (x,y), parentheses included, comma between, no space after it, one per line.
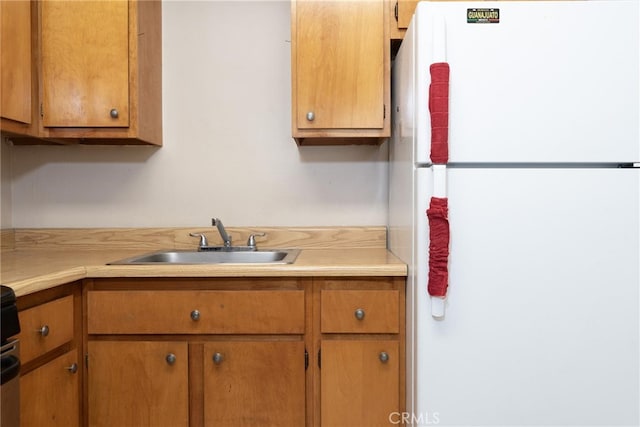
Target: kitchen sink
(229,256)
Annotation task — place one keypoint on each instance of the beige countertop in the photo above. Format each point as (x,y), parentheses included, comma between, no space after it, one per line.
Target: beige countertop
(34,269)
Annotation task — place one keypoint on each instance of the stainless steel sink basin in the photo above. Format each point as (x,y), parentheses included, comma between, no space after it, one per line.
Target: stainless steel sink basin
(267,256)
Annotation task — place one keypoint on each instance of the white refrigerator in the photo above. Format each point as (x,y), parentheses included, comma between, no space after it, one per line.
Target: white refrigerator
(540,322)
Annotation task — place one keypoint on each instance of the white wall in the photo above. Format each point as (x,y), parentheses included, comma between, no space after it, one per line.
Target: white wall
(227,146)
(5,186)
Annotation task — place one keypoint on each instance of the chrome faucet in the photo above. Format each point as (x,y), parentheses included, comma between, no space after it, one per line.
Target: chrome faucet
(223,233)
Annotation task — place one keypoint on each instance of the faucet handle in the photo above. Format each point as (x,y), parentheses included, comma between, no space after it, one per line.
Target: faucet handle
(203,239)
(252,239)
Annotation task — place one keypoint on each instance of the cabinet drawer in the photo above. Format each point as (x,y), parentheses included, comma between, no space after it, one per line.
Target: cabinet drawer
(356,311)
(45,327)
(196,312)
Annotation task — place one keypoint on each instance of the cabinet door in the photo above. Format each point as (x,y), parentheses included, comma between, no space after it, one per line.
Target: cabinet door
(405,11)
(85,63)
(254,383)
(50,394)
(15,54)
(339,64)
(359,382)
(133,383)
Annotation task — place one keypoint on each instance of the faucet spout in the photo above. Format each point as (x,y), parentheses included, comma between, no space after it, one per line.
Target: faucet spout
(223,233)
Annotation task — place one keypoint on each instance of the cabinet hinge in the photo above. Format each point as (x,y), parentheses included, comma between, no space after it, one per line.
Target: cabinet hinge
(395,11)
(320,358)
(384,111)
(41,110)
(86,360)
(306,359)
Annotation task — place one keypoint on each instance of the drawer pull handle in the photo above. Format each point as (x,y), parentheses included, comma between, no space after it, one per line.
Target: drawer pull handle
(218,358)
(73,368)
(384,356)
(44,331)
(359,313)
(171,358)
(195,315)
(114,113)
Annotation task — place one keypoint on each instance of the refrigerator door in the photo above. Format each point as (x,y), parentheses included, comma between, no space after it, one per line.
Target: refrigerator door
(550,82)
(542,317)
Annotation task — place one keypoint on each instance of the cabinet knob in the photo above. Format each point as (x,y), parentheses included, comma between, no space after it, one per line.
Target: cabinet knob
(171,358)
(359,313)
(114,113)
(310,116)
(384,356)
(195,315)
(44,331)
(73,368)
(218,358)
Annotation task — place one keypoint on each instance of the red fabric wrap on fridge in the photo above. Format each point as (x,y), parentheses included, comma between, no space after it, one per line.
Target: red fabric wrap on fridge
(438,216)
(439,111)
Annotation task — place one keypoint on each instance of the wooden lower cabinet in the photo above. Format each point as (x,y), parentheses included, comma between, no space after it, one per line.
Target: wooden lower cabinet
(51,374)
(361,351)
(146,383)
(138,383)
(359,382)
(258,383)
(50,394)
(197,352)
(244,351)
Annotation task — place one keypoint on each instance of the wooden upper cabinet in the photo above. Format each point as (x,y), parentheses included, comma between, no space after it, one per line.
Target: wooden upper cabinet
(86,71)
(101,74)
(85,63)
(406,9)
(16,66)
(340,70)
(401,13)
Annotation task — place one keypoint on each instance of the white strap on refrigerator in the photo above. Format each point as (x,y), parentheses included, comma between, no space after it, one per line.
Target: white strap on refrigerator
(439,180)
(439,39)
(439,190)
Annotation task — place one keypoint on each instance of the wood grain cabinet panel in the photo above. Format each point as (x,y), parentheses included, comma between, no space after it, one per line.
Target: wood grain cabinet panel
(340,70)
(359,311)
(102,71)
(15,29)
(254,383)
(196,312)
(360,383)
(138,383)
(87,71)
(46,327)
(361,356)
(264,351)
(51,371)
(50,394)
(404,10)
(85,63)
(190,352)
